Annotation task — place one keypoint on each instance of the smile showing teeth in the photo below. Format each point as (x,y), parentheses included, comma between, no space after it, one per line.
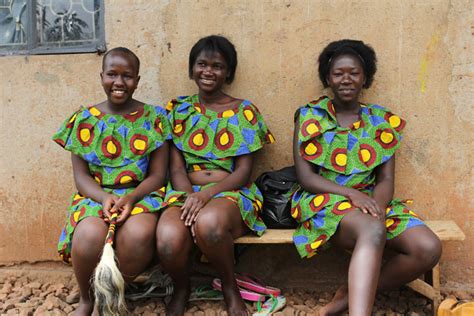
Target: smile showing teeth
(207,81)
(118,92)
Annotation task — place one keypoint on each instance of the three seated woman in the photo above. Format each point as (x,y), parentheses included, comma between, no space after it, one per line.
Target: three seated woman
(344,153)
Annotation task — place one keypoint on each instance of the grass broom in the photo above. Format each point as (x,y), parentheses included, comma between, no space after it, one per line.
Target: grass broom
(109,285)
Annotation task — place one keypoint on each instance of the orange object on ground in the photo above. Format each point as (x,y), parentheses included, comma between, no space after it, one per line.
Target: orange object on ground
(452,307)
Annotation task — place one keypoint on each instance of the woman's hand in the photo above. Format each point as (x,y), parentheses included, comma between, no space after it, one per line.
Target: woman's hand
(193,232)
(124,207)
(108,203)
(366,204)
(193,204)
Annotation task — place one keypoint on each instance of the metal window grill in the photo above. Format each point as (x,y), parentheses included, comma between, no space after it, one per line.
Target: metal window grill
(51,26)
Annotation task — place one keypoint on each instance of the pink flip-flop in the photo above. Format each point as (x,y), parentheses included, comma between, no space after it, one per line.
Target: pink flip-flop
(251,283)
(245,294)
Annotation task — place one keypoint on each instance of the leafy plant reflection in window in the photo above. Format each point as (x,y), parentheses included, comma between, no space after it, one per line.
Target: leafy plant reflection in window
(68,26)
(51,26)
(66,21)
(13,22)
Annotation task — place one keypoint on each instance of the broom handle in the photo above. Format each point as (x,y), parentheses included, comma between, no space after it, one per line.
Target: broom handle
(109,239)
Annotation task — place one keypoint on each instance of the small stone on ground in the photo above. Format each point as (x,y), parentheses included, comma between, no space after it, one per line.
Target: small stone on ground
(22,294)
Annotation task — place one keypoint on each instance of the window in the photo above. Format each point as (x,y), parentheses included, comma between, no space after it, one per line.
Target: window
(51,26)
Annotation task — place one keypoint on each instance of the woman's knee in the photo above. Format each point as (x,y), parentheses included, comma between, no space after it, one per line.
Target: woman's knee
(89,236)
(364,228)
(373,232)
(427,249)
(211,229)
(172,242)
(140,237)
(140,229)
(136,237)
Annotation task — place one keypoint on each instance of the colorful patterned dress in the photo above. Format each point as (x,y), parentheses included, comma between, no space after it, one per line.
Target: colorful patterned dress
(117,150)
(348,157)
(211,140)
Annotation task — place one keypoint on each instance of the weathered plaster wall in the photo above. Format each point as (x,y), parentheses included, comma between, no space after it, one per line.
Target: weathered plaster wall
(426,74)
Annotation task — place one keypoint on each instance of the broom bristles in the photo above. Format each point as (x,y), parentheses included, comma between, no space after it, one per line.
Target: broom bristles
(109,285)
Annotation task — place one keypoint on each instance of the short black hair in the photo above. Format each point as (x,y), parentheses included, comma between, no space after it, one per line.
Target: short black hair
(215,43)
(359,49)
(125,51)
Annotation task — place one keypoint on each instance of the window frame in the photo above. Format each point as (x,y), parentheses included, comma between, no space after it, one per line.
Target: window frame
(32,38)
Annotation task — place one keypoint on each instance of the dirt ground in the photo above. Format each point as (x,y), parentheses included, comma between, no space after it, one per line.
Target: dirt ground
(45,290)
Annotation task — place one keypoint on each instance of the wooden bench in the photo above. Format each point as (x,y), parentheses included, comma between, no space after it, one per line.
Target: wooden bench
(429,287)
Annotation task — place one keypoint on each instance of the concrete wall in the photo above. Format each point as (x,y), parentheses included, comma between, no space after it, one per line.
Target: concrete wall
(426,74)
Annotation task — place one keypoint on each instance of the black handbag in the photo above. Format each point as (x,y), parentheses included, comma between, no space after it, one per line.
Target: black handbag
(277,188)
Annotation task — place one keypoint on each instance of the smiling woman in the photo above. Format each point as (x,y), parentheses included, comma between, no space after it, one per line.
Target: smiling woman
(344,152)
(119,79)
(119,158)
(210,71)
(211,200)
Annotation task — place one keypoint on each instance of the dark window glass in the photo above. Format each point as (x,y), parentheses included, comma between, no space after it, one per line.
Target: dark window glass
(51,26)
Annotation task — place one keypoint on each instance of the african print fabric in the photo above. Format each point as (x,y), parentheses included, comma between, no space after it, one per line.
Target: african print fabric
(348,157)
(249,199)
(117,150)
(211,140)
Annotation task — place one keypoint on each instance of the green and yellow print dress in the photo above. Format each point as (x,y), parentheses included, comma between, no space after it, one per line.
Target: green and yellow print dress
(211,140)
(117,150)
(348,157)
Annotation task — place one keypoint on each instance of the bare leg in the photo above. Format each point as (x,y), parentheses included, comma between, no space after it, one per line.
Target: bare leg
(417,249)
(174,243)
(217,225)
(366,235)
(135,244)
(87,245)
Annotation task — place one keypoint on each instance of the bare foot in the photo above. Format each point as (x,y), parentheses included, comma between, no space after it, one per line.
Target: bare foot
(338,304)
(179,300)
(85,308)
(235,303)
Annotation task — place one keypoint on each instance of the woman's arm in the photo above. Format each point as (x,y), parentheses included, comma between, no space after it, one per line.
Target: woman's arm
(178,174)
(87,186)
(85,183)
(238,178)
(385,178)
(312,182)
(154,180)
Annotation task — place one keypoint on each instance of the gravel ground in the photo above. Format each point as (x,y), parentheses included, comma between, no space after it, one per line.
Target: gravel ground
(24,294)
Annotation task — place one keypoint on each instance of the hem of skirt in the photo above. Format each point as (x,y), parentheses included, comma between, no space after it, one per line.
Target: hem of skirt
(258,233)
(305,255)
(421,223)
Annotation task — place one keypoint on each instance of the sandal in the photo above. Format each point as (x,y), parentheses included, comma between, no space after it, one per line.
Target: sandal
(245,294)
(252,283)
(205,292)
(152,291)
(272,305)
(152,283)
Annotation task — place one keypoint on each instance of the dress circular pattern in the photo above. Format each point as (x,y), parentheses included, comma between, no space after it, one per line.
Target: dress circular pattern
(211,140)
(117,150)
(348,157)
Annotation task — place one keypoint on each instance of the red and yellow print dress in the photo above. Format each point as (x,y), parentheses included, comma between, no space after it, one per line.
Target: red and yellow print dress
(211,140)
(348,157)
(117,150)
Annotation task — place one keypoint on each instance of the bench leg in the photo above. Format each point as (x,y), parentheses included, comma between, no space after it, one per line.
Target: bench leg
(436,289)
